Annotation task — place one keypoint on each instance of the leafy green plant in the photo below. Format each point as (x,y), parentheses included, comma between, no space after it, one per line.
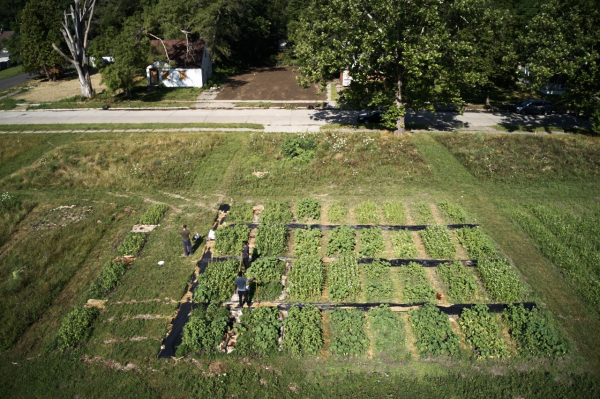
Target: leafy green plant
(367,213)
(341,241)
(482,331)
(205,329)
(437,242)
(307,242)
(387,330)
(343,278)
(229,239)
(371,242)
(153,214)
(76,327)
(303,331)
(298,147)
(500,280)
(433,333)
(258,331)
(461,284)
(109,278)
(393,212)
(241,213)
(378,284)
(271,240)
(216,284)
(305,279)
(454,212)
(132,244)
(423,214)
(476,243)
(403,244)
(348,330)
(337,213)
(268,272)
(276,212)
(533,332)
(308,208)
(416,285)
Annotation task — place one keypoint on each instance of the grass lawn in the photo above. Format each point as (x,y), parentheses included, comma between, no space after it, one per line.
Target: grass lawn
(10,72)
(68,202)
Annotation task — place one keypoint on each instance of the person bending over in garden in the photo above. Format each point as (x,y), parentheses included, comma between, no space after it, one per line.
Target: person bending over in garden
(241,284)
(246,255)
(187,243)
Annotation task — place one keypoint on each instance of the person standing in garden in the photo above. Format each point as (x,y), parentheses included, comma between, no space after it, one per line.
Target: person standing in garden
(246,255)
(187,243)
(241,285)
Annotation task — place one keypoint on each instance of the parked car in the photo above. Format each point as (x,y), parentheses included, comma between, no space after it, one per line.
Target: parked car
(534,107)
(371,117)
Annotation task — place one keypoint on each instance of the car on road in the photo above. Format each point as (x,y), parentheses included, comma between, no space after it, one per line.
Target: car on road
(371,117)
(534,107)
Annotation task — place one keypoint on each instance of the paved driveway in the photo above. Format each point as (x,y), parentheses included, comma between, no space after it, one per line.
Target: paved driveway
(14,81)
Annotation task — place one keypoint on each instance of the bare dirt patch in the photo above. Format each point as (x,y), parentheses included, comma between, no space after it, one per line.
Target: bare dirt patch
(268,84)
(56,91)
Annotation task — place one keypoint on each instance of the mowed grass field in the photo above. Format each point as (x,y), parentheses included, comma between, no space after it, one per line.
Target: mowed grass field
(69,201)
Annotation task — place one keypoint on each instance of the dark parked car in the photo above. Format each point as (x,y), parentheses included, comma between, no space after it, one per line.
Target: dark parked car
(371,117)
(534,107)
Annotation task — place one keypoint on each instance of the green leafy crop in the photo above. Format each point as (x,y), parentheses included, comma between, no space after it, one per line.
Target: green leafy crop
(437,242)
(241,213)
(454,212)
(500,280)
(403,244)
(343,278)
(348,330)
(132,244)
(303,331)
(271,240)
(205,329)
(476,243)
(341,241)
(307,242)
(416,285)
(371,243)
(76,327)
(228,239)
(258,331)
(305,279)
(216,284)
(393,212)
(268,272)
(378,284)
(433,333)
(461,284)
(482,331)
(276,212)
(387,330)
(367,213)
(308,208)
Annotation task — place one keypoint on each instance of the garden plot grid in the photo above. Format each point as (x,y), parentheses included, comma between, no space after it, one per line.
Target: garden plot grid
(353,280)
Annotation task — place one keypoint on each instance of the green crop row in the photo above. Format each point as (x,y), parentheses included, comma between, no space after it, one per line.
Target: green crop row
(276,212)
(268,272)
(482,332)
(109,278)
(461,284)
(205,329)
(343,278)
(258,331)
(403,244)
(307,242)
(153,214)
(476,243)
(76,327)
(433,332)
(271,240)
(228,239)
(371,242)
(216,283)
(500,280)
(348,331)
(378,283)
(241,213)
(437,242)
(454,212)
(416,285)
(308,208)
(303,331)
(341,241)
(305,279)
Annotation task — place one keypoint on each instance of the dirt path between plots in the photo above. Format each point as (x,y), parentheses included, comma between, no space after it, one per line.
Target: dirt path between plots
(268,84)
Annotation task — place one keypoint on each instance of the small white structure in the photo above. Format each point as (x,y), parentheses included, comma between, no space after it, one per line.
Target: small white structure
(193,65)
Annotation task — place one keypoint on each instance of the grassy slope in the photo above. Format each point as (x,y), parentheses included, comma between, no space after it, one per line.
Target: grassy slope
(222,174)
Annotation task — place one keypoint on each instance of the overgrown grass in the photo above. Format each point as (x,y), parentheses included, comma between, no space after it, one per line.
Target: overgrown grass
(8,104)
(255,104)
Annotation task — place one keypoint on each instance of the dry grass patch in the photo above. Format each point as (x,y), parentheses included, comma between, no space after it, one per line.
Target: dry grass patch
(47,91)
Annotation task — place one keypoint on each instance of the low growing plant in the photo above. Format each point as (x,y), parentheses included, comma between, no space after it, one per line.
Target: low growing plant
(378,284)
(366,213)
(308,208)
(500,280)
(393,212)
(416,286)
(348,330)
(341,241)
(432,330)
(132,244)
(109,278)
(387,330)
(337,213)
(423,214)
(276,212)
(298,147)
(205,329)
(476,243)
(437,242)
(307,242)
(461,284)
(258,331)
(403,244)
(271,240)
(343,278)
(303,331)
(241,213)
(454,212)
(482,332)
(371,242)
(305,279)
(153,214)
(216,283)
(76,327)
(229,239)
(268,272)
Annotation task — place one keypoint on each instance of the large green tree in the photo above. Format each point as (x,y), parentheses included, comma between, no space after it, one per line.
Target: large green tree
(39,29)
(400,53)
(563,42)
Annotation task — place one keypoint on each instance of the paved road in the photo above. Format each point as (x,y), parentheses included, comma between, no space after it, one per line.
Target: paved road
(280,120)
(14,81)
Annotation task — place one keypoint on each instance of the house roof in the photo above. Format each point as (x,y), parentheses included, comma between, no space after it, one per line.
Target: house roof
(178,51)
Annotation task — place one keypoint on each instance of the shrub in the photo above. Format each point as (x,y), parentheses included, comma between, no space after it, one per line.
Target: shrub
(437,242)
(303,331)
(393,212)
(371,242)
(337,213)
(276,212)
(343,278)
(132,244)
(76,327)
(308,208)
(298,147)
(461,284)
(271,240)
(454,212)
(241,213)
(306,278)
(258,331)
(205,329)
(367,213)
(500,280)
(109,278)
(216,284)
(432,330)
(307,242)
(348,330)
(228,239)
(402,244)
(153,214)
(341,241)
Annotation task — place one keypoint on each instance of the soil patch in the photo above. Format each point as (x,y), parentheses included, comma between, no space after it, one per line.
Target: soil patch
(268,84)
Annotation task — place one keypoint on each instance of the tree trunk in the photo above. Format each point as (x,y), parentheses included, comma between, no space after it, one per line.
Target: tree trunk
(84,81)
(400,123)
(46,73)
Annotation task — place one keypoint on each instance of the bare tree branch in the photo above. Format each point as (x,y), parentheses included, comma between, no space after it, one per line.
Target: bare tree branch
(163,43)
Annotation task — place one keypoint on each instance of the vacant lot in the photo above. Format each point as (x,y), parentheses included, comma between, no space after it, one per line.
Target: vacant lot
(68,87)
(268,84)
(68,203)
